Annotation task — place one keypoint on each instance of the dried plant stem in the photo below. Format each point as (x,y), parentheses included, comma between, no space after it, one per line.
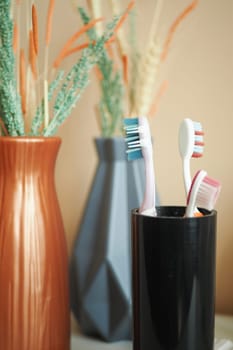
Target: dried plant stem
(28,71)
(149,66)
(46,106)
(49,22)
(11,112)
(17,54)
(15,38)
(46,59)
(125,64)
(115,6)
(32,55)
(35,29)
(16,41)
(4,129)
(29,18)
(32,100)
(146,79)
(121,40)
(36,46)
(48,36)
(75,49)
(134,58)
(97,13)
(64,90)
(72,39)
(124,16)
(32,77)
(155,21)
(23,81)
(98,73)
(174,26)
(121,45)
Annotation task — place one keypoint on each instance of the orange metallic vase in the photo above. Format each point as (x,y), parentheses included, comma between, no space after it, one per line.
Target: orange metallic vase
(34,297)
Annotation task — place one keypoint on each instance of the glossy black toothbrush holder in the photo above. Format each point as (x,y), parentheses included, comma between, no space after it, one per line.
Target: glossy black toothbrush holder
(173,280)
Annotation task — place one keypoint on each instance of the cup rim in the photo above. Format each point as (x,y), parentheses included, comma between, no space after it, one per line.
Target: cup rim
(178,209)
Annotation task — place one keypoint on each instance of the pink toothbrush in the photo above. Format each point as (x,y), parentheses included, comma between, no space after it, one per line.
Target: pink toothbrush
(203,193)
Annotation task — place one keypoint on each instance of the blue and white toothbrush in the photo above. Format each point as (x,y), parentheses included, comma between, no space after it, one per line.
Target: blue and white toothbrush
(138,139)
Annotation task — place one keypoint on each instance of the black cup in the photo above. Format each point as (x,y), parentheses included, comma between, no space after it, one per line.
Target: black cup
(173,269)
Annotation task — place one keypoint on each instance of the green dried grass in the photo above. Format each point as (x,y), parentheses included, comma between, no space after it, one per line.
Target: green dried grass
(63,92)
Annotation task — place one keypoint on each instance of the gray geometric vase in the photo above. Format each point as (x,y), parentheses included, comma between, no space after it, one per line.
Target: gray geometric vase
(100,271)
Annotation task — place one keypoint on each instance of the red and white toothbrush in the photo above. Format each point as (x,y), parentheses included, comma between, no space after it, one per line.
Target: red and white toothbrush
(203,193)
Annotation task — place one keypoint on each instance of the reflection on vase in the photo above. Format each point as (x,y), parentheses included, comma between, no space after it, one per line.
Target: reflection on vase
(34,297)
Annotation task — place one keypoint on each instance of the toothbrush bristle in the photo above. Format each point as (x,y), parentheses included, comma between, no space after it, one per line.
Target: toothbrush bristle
(136,137)
(208,193)
(197,151)
(198,148)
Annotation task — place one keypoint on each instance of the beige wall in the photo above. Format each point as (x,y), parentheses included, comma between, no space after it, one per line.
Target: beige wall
(200,75)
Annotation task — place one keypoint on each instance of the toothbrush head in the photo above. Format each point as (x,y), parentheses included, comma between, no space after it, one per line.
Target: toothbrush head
(208,193)
(191,141)
(203,193)
(138,138)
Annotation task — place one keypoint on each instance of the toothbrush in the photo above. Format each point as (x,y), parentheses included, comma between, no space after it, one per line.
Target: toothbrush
(191,145)
(138,139)
(203,193)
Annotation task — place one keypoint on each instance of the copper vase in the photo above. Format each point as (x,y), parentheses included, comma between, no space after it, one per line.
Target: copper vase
(34,302)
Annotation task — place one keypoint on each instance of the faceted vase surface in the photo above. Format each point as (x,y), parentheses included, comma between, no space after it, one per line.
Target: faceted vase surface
(101,260)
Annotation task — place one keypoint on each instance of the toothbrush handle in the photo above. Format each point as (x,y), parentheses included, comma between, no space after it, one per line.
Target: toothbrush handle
(186,175)
(189,213)
(188,181)
(148,204)
(193,193)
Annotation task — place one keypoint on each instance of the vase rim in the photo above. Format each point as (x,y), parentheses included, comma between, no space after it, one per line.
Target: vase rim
(30,138)
(107,140)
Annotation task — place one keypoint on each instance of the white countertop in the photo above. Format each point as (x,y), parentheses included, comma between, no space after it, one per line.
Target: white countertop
(223,330)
